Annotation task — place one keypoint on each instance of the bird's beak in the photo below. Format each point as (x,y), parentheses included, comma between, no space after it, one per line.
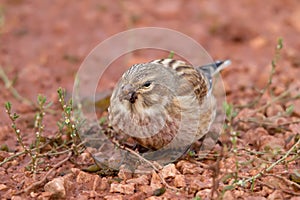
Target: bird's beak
(128,93)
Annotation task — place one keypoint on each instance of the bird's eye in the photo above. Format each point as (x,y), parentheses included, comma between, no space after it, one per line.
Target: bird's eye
(147,84)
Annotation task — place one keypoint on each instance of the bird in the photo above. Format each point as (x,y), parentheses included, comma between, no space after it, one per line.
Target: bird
(164,103)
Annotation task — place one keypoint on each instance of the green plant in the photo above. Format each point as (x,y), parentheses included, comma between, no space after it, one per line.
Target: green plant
(39,127)
(13,117)
(265,160)
(2,18)
(68,124)
(274,64)
(171,54)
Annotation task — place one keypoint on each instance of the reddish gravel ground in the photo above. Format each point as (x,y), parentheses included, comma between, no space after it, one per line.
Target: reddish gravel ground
(43,43)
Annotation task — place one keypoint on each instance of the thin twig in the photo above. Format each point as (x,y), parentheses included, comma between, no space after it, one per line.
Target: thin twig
(288,123)
(285,180)
(13,91)
(265,122)
(156,169)
(274,188)
(46,175)
(143,159)
(260,174)
(205,166)
(12,157)
(60,152)
(273,69)
(282,95)
(21,153)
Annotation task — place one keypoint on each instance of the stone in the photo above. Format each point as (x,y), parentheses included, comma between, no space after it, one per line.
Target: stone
(169,171)
(103,184)
(122,188)
(84,177)
(114,197)
(187,167)
(228,195)
(96,183)
(146,189)
(179,181)
(154,198)
(44,196)
(56,188)
(255,198)
(155,182)
(276,195)
(271,142)
(34,194)
(16,198)
(141,180)
(295,198)
(75,171)
(86,180)
(124,173)
(204,194)
(3,187)
(137,196)
(197,185)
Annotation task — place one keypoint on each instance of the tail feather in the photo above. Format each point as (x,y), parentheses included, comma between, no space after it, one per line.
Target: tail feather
(220,65)
(213,68)
(210,70)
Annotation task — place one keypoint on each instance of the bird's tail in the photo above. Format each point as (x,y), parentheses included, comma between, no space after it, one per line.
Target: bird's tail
(213,68)
(210,70)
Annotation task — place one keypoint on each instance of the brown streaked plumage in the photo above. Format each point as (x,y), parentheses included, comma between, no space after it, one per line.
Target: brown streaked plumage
(164,102)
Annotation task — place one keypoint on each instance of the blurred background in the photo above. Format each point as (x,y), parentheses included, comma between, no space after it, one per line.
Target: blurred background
(43,43)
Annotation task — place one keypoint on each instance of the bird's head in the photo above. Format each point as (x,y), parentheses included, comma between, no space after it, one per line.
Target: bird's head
(144,86)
